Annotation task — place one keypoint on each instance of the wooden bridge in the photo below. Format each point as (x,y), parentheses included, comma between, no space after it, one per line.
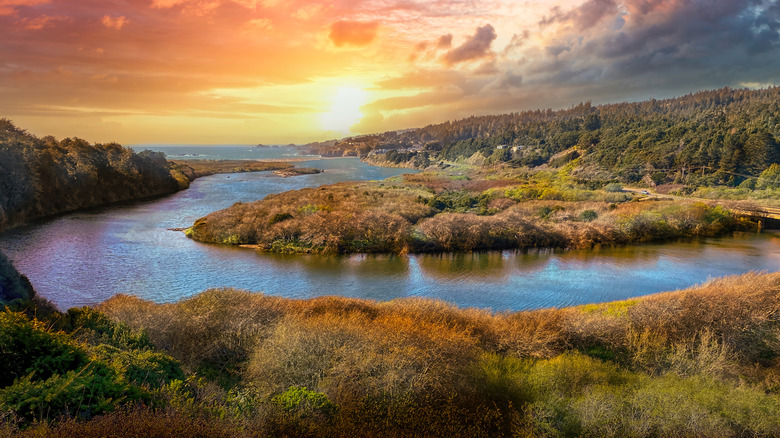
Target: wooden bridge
(768,217)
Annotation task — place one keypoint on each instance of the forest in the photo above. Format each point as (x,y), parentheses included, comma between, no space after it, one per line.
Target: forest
(718,137)
(535,179)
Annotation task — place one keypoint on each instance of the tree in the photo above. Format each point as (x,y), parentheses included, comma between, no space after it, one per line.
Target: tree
(760,151)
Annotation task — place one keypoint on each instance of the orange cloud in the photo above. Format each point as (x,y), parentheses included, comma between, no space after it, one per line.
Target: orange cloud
(114,22)
(8,7)
(166,3)
(258,25)
(38,23)
(353,33)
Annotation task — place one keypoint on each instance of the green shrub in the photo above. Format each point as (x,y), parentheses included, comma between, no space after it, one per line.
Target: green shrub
(454,201)
(279,217)
(572,373)
(545,211)
(587,216)
(29,347)
(89,391)
(233,239)
(93,327)
(304,402)
(145,368)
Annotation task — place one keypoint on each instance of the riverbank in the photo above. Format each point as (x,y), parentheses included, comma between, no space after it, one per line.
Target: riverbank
(459,209)
(697,362)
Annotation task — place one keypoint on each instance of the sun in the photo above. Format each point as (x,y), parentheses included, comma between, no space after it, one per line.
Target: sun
(345,110)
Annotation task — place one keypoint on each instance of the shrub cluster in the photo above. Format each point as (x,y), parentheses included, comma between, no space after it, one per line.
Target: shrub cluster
(49,373)
(698,362)
(374,217)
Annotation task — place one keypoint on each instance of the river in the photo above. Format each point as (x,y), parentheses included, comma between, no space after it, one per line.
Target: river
(86,257)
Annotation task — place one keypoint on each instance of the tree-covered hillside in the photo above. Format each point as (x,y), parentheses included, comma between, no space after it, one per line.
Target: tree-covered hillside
(43,176)
(723,136)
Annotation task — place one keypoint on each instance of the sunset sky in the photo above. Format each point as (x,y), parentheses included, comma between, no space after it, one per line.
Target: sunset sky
(280,71)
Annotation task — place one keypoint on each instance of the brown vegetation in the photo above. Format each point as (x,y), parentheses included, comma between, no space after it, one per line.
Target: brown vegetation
(452,212)
(704,361)
(426,368)
(740,312)
(297,171)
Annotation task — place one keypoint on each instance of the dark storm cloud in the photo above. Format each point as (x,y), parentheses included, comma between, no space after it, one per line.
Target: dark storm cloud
(477,46)
(584,17)
(662,45)
(445,41)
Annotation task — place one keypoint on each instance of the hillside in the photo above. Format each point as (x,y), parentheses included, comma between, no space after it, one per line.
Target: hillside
(41,177)
(718,137)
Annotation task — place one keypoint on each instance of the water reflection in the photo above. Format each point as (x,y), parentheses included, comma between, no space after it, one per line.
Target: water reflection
(476,266)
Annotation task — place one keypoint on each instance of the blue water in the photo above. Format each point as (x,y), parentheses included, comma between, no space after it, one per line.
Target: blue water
(224,152)
(86,257)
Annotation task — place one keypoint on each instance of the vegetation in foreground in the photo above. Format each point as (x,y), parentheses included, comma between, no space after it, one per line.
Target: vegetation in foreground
(460,209)
(13,285)
(699,362)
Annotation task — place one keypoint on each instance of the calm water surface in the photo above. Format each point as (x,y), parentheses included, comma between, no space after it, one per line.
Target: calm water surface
(86,257)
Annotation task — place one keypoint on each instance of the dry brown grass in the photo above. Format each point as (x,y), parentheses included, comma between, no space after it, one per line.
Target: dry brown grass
(347,347)
(434,212)
(426,368)
(135,423)
(343,218)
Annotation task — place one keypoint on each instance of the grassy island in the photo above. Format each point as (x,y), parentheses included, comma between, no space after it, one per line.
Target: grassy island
(704,361)
(460,209)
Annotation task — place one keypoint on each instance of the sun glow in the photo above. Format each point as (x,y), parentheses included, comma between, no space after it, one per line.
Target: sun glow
(345,110)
